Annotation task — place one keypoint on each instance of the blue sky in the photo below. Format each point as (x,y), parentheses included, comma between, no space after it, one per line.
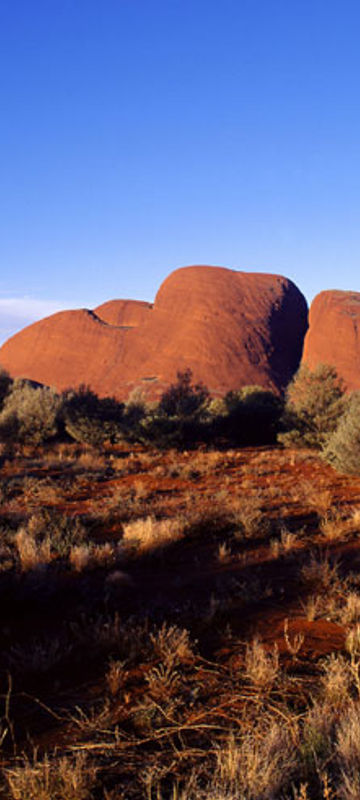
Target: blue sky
(137,136)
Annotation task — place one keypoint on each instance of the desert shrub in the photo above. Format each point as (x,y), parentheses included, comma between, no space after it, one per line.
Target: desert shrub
(90,419)
(184,399)
(30,414)
(343,447)
(178,419)
(314,405)
(163,432)
(5,385)
(249,416)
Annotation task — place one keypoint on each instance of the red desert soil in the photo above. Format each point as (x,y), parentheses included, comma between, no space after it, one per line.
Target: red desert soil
(230,328)
(292,489)
(333,335)
(255,587)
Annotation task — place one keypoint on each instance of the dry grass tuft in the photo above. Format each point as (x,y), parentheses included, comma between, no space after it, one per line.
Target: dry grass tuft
(336,681)
(258,765)
(320,572)
(261,666)
(223,553)
(32,554)
(80,557)
(57,779)
(334,526)
(151,534)
(115,676)
(172,644)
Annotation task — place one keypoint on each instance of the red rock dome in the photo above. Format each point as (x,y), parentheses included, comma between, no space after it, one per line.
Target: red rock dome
(230,328)
(334,334)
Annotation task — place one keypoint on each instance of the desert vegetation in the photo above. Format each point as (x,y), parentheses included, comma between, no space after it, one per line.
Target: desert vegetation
(180,612)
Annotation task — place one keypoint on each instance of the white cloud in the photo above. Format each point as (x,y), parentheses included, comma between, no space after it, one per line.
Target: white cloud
(18,312)
(29,307)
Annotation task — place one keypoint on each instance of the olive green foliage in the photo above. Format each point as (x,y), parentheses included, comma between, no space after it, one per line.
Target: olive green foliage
(250,416)
(30,414)
(343,446)
(184,399)
(90,419)
(179,417)
(5,385)
(314,405)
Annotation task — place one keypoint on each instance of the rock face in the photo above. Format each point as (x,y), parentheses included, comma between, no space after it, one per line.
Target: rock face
(334,335)
(230,328)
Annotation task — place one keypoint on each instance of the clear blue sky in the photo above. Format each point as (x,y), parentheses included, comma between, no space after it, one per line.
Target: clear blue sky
(137,136)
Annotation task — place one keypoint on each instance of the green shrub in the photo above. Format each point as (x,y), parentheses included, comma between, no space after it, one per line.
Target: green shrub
(5,385)
(343,447)
(178,419)
(314,405)
(252,417)
(184,399)
(90,419)
(30,414)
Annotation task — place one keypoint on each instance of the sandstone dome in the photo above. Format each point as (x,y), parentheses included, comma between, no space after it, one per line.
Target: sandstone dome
(230,328)
(334,334)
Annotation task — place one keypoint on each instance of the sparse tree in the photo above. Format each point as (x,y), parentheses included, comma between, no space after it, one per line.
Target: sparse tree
(30,414)
(343,446)
(314,405)
(184,399)
(90,419)
(178,418)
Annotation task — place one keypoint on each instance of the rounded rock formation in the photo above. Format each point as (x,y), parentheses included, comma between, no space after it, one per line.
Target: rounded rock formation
(230,328)
(334,334)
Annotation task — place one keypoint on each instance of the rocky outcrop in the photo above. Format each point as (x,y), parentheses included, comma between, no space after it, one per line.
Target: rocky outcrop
(230,328)
(334,334)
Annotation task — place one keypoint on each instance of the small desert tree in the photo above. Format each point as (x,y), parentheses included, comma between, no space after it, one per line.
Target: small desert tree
(252,415)
(343,446)
(314,405)
(178,417)
(5,385)
(90,419)
(30,414)
(184,399)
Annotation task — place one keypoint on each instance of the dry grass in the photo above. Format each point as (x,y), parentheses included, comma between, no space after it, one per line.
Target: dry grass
(261,666)
(163,717)
(348,753)
(334,526)
(257,765)
(91,459)
(223,553)
(320,572)
(32,553)
(172,645)
(336,681)
(352,643)
(56,779)
(317,498)
(293,642)
(288,540)
(248,517)
(80,557)
(115,676)
(145,535)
